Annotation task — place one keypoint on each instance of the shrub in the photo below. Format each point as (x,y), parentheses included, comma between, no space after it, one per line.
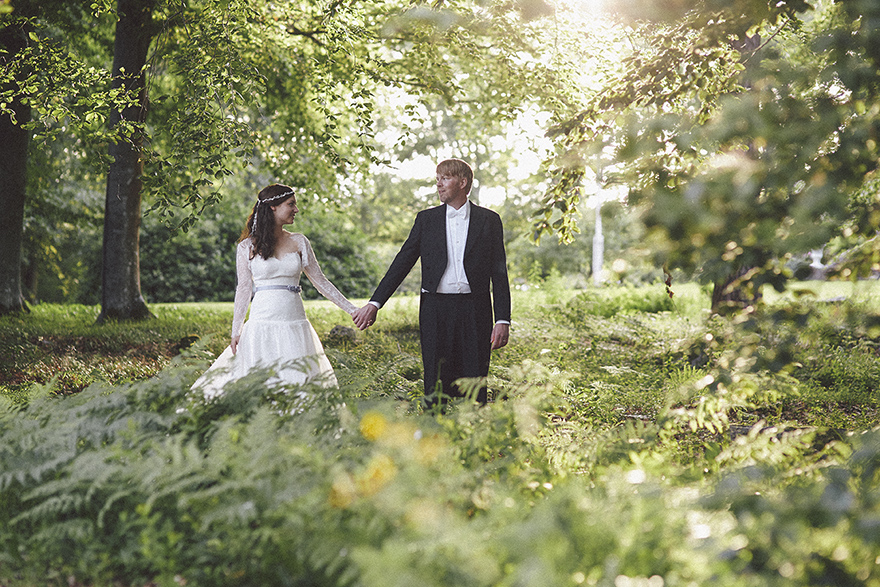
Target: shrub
(611,301)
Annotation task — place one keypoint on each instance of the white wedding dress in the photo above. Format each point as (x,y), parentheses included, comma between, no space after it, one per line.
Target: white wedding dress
(277,334)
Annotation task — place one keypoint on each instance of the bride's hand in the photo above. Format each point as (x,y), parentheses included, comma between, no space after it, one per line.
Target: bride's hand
(234,344)
(365,316)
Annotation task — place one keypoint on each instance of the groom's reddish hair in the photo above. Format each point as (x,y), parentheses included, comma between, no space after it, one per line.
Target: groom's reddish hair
(457,168)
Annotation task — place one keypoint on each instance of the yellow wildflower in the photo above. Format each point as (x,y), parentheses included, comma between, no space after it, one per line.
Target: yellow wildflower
(429,449)
(380,470)
(373,425)
(343,491)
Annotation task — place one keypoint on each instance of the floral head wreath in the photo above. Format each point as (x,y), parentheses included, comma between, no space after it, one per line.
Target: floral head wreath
(280,196)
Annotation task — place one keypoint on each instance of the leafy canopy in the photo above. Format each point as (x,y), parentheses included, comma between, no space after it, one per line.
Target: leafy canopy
(290,88)
(743,131)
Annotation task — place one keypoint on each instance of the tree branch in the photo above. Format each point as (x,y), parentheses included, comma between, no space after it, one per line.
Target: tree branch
(770,38)
(310,35)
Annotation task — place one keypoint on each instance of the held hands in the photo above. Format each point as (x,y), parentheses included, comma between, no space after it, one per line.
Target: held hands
(500,334)
(365,316)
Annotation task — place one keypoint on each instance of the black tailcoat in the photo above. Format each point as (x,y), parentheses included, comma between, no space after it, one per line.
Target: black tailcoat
(485,266)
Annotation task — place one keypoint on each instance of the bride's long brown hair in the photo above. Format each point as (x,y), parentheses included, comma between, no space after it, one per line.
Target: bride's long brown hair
(262,232)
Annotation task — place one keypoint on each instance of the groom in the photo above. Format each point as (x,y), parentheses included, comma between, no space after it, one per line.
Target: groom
(461,246)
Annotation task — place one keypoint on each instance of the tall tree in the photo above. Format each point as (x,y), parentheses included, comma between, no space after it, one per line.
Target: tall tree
(46,92)
(121,286)
(13,177)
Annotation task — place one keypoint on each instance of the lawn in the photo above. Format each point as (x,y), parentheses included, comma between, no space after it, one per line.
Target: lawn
(622,361)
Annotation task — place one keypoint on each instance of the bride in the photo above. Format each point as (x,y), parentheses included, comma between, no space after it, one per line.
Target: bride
(269,261)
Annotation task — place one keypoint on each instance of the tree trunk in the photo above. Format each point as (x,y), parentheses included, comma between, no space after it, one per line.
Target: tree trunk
(120,272)
(13,183)
(734,293)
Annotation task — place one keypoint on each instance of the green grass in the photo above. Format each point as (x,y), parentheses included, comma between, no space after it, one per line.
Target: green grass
(628,352)
(63,343)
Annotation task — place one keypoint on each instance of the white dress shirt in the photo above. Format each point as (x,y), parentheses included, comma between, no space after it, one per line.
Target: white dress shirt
(454,280)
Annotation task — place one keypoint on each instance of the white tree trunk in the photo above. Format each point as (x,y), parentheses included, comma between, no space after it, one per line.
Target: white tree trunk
(598,248)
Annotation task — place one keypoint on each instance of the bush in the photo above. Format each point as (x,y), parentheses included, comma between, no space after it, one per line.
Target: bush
(344,254)
(193,266)
(199,265)
(611,301)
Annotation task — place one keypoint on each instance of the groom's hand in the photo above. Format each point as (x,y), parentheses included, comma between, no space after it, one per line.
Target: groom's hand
(500,334)
(365,316)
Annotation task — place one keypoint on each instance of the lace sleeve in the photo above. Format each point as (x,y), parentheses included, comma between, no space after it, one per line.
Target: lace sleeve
(244,285)
(317,277)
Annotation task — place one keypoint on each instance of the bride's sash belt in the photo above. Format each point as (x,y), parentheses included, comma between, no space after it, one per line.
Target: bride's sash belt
(290,288)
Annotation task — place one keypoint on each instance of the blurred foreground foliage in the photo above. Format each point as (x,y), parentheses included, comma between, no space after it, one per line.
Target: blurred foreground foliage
(645,447)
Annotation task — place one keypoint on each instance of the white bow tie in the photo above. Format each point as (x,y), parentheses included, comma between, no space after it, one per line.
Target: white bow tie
(453,213)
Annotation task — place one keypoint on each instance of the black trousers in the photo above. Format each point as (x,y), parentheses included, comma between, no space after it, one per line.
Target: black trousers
(455,332)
